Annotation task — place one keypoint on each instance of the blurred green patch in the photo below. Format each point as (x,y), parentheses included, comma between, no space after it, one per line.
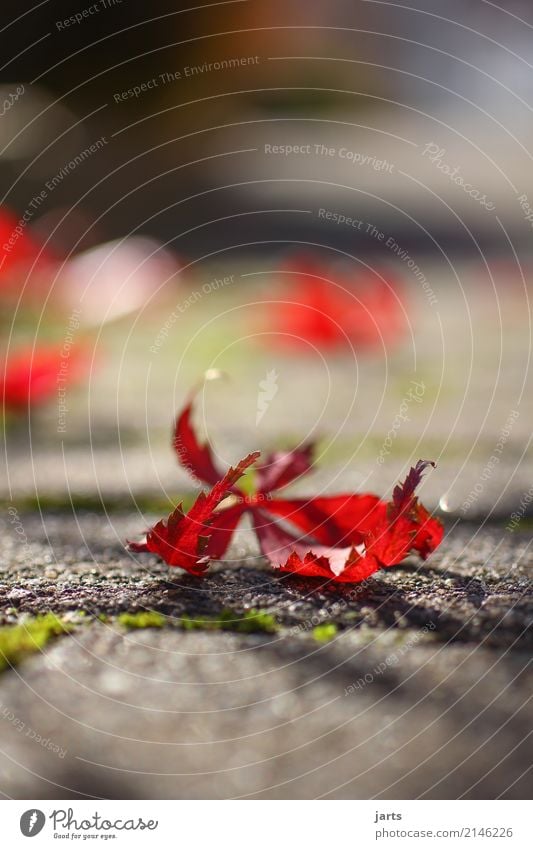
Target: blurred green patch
(143,619)
(250,622)
(18,641)
(99,503)
(325,632)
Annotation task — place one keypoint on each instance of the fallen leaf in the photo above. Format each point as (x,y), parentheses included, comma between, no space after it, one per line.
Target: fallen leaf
(342,538)
(183,539)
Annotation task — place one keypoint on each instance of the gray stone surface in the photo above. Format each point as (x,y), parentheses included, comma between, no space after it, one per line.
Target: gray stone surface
(423,692)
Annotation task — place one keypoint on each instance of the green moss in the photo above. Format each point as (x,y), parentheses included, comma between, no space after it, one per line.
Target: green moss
(525,524)
(96,504)
(250,622)
(325,632)
(256,620)
(143,619)
(17,641)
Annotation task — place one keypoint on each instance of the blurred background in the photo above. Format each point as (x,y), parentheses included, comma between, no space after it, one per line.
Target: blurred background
(330,204)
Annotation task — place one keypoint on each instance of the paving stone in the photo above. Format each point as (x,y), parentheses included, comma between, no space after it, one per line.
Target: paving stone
(423,691)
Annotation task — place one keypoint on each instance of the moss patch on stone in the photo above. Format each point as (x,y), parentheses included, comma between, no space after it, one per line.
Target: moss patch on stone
(96,503)
(325,632)
(142,619)
(18,641)
(249,622)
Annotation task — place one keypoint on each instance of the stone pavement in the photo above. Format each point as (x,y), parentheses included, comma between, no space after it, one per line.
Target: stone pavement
(423,690)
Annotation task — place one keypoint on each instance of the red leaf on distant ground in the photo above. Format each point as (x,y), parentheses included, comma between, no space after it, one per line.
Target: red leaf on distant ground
(342,538)
(183,539)
(328,308)
(30,377)
(18,246)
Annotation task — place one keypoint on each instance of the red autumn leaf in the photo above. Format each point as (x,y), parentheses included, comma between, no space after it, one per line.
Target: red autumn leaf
(390,542)
(382,534)
(407,525)
(403,496)
(326,308)
(341,565)
(283,467)
(289,552)
(196,458)
(332,520)
(342,538)
(19,248)
(31,377)
(183,539)
(222,528)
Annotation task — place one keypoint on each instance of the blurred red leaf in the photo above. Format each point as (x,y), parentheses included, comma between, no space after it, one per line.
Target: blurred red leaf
(32,376)
(326,308)
(18,248)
